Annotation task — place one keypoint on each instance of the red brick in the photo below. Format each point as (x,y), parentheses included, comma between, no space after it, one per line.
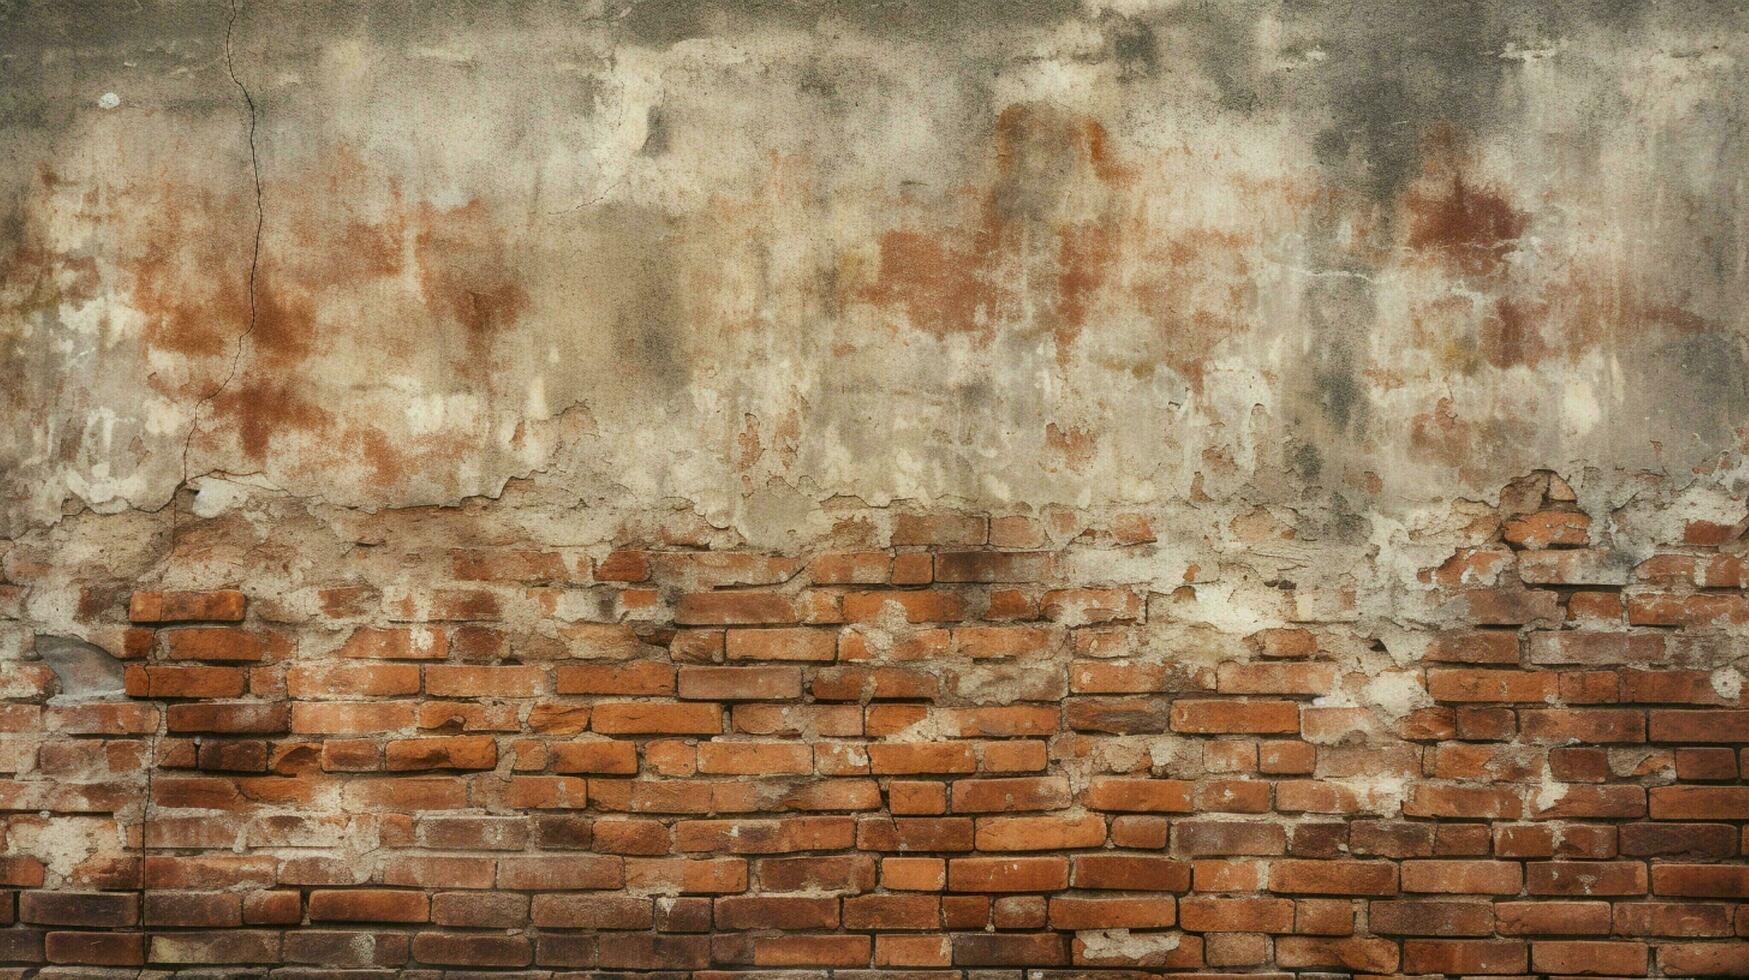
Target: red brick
(811,950)
(1008,874)
(449,752)
(183,682)
(95,948)
(1586,878)
(921,757)
(1276,678)
(369,905)
(1699,802)
(1492,685)
(1206,914)
(1333,877)
(851,568)
(1463,877)
(641,718)
(1020,793)
(1424,917)
(815,645)
(207,910)
(741,683)
(1700,880)
(1696,841)
(939,529)
(1476,956)
(1682,919)
(397,643)
(1552,918)
(735,609)
(1580,956)
(1587,725)
(222,606)
(1009,949)
(892,911)
(786,912)
(349,679)
(434,871)
(1236,717)
(1119,794)
(1089,912)
(231,717)
(1700,726)
(755,758)
(1358,953)
(1040,833)
(1202,838)
(992,566)
(222,643)
(1710,609)
(92,909)
(1704,959)
(601,757)
(481,910)
(464,949)
(484,682)
(350,718)
(926,606)
(553,872)
(926,874)
(1549,528)
(1131,872)
(644,678)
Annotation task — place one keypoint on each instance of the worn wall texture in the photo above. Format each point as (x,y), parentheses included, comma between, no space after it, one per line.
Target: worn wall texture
(890,487)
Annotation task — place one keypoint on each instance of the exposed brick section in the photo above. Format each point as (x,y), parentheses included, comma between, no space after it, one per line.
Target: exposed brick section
(953,748)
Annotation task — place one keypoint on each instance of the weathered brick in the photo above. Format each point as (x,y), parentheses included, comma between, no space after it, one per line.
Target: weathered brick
(221,606)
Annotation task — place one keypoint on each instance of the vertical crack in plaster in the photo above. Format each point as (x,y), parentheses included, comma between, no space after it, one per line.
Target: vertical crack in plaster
(254,263)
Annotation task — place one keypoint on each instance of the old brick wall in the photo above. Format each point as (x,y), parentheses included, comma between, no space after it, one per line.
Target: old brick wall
(928,741)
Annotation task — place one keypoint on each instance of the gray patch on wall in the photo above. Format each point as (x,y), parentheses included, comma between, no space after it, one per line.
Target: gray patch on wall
(86,672)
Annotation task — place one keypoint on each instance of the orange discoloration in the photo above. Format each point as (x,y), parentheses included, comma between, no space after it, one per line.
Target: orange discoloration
(466,274)
(285,324)
(944,289)
(1182,292)
(1471,228)
(387,464)
(1085,255)
(261,408)
(188,279)
(1559,319)
(961,281)
(1098,148)
(1076,445)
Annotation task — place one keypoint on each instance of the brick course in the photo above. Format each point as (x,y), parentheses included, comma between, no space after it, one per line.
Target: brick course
(960,747)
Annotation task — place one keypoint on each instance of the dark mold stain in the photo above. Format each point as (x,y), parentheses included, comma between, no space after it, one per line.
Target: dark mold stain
(656,133)
(667,22)
(1133,46)
(1220,40)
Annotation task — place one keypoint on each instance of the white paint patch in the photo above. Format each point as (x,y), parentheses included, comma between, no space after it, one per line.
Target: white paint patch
(1396,692)
(1580,411)
(214,496)
(1121,943)
(1727,683)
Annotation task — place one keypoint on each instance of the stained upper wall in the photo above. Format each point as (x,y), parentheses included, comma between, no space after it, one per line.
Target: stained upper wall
(756,254)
